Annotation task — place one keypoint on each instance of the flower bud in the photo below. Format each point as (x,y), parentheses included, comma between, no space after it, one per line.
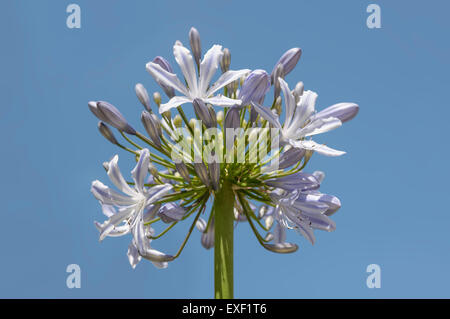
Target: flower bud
(232,119)
(152,126)
(182,169)
(219,117)
(255,87)
(204,113)
(282,248)
(277,105)
(153,170)
(298,91)
(289,60)
(214,173)
(192,123)
(93,107)
(290,157)
(207,239)
(178,42)
(194,39)
(202,173)
(163,63)
(171,212)
(269,237)
(113,117)
(269,221)
(225,61)
(279,73)
(177,121)
(343,111)
(142,95)
(157,98)
(106,132)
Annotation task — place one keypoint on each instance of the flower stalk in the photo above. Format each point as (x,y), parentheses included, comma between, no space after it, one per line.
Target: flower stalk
(223,242)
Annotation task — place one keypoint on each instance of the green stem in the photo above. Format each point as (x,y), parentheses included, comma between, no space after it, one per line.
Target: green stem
(223,242)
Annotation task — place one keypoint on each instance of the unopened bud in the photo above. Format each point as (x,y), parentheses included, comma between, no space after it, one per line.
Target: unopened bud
(107,133)
(182,169)
(111,115)
(277,105)
(219,117)
(153,170)
(225,61)
(298,91)
(205,113)
(289,60)
(177,121)
(279,73)
(157,98)
(202,173)
(152,126)
(142,95)
(194,39)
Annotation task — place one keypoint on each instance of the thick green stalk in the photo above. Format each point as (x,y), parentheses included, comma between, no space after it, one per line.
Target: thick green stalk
(223,242)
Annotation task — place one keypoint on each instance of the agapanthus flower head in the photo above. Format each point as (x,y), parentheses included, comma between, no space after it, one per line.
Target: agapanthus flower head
(243,152)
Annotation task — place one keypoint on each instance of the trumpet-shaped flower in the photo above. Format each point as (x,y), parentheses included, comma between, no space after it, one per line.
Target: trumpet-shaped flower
(126,211)
(300,121)
(197,86)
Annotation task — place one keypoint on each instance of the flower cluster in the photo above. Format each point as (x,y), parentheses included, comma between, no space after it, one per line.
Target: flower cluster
(235,139)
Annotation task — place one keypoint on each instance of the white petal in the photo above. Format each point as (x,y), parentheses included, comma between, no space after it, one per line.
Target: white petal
(220,100)
(140,170)
(164,77)
(289,101)
(186,62)
(305,108)
(319,126)
(267,114)
(209,66)
(108,196)
(225,79)
(319,148)
(158,191)
(116,177)
(108,210)
(115,220)
(173,102)
(133,255)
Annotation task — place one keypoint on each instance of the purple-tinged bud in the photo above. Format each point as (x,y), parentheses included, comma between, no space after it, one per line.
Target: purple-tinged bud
(282,248)
(225,61)
(107,133)
(152,126)
(194,39)
(343,111)
(279,73)
(290,157)
(94,109)
(142,95)
(113,117)
(232,119)
(202,173)
(255,87)
(170,92)
(204,113)
(171,212)
(269,237)
(207,239)
(289,60)
(298,91)
(214,173)
(182,169)
(150,212)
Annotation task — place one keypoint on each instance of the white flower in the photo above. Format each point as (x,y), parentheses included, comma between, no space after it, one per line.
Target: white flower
(126,211)
(300,122)
(197,87)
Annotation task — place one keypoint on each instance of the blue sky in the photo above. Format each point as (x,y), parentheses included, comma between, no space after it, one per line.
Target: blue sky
(392,182)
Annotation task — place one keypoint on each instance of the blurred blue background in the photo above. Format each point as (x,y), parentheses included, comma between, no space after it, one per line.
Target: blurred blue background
(392,183)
